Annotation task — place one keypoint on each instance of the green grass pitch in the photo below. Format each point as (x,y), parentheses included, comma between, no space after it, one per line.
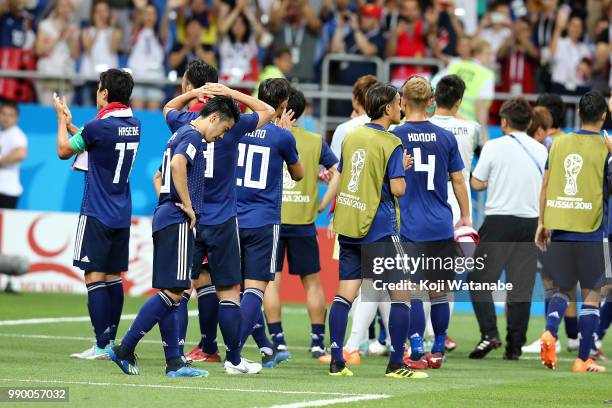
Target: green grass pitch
(36,355)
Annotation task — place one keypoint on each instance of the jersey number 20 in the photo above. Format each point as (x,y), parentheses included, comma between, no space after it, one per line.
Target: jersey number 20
(246,153)
(430,167)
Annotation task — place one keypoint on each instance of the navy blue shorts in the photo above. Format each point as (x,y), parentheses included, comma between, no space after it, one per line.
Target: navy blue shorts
(569,263)
(99,248)
(350,256)
(172,257)
(217,250)
(302,255)
(258,248)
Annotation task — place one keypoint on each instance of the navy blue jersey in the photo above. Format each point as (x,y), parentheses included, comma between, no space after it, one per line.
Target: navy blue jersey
(111,145)
(188,143)
(219,203)
(384,223)
(259,175)
(425,212)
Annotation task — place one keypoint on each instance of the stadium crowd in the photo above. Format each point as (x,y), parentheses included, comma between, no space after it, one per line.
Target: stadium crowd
(522,42)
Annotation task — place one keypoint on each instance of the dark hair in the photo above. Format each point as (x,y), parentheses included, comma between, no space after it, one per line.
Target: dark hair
(591,107)
(361,88)
(224,105)
(517,112)
(93,11)
(377,99)
(280,51)
(297,102)
(247,33)
(274,91)
(449,90)
(555,106)
(11,105)
(119,85)
(198,73)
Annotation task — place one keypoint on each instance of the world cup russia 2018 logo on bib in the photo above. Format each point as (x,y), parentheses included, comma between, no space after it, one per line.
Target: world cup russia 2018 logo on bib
(288,182)
(357,163)
(573,165)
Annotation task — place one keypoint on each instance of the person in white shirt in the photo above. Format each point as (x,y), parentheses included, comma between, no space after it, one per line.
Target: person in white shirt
(359,117)
(13,150)
(511,168)
(363,312)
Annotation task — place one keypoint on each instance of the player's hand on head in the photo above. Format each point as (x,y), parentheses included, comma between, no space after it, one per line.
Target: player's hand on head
(542,237)
(408,160)
(212,89)
(286,120)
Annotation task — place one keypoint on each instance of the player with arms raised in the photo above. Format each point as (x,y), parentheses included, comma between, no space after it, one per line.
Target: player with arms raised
(426,215)
(110,142)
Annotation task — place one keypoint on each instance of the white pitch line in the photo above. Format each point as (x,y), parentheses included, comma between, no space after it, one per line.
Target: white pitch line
(321,403)
(82,319)
(186,387)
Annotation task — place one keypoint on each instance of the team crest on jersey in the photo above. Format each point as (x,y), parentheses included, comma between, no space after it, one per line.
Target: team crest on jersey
(573,165)
(288,182)
(357,163)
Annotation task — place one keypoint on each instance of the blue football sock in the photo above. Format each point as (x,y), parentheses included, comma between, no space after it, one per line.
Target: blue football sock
(338,319)
(556,309)
(208,310)
(587,324)
(382,333)
(169,329)
(277,334)
(250,308)
(571,326)
(548,293)
(399,324)
(230,323)
(98,306)
(605,317)
(440,316)
(182,317)
(372,330)
(115,305)
(317,335)
(260,336)
(417,329)
(151,312)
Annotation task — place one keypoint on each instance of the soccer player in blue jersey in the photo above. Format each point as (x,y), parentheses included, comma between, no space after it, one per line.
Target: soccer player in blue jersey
(259,177)
(298,235)
(218,282)
(426,215)
(111,141)
(173,221)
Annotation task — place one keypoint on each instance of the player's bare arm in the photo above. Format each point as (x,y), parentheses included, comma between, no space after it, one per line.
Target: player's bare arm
(181,101)
(157,182)
(332,188)
(478,185)
(460,190)
(542,236)
(64,147)
(264,111)
(179,178)
(296,170)
(398,186)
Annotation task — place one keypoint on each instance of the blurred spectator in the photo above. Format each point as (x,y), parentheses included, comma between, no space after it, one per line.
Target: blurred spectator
(207,17)
(518,58)
(544,27)
(16,40)
(603,52)
(294,24)
(13,150)
(541,122)
(408,39)
(100,45)
(363,37)
(495,27)
(479,84)
(190,48)
(282,64)
(146,60)
(122,19)
(239,33)
(57,47)
(444,29)
(331,25)
(571,56)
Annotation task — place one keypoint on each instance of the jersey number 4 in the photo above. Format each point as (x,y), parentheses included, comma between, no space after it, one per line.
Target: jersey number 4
(430,167)
(246,153)
(122,147)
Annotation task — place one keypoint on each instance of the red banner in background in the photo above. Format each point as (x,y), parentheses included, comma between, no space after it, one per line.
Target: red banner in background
(46,239)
